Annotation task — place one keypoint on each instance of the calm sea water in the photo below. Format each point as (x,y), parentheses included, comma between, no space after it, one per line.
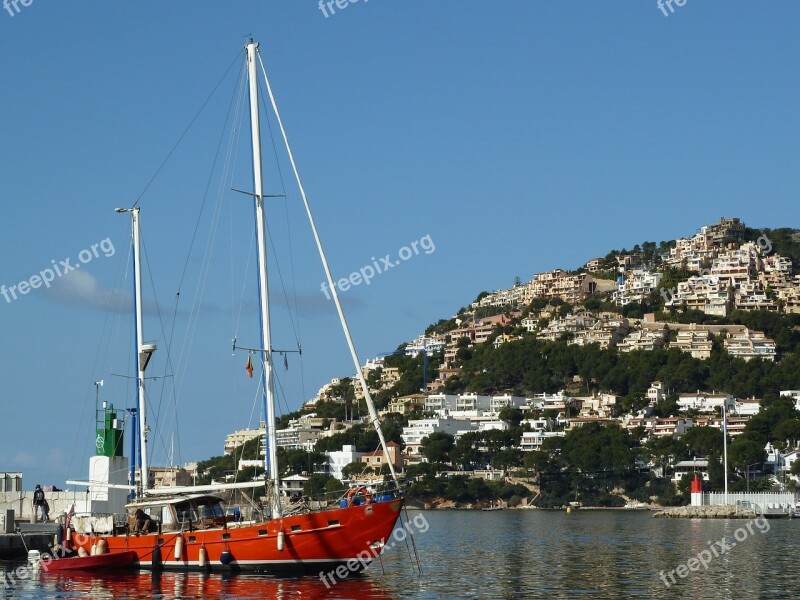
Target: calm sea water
(511,554)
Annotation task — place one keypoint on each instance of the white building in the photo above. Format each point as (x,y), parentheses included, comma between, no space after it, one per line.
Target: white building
(748,407)
(237,438)
(467,402)
(428,344)
(339,459)
(642,340)
(297,438)
(706,403)
(656,392)
(500,402)
(533,440)
(441,402)
(418,429)
(638,285)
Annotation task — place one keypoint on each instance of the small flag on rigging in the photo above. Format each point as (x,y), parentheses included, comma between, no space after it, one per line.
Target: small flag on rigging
(285,363)
(249,367)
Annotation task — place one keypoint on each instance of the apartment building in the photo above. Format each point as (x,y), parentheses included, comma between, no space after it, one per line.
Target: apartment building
(698,343)
(749,344)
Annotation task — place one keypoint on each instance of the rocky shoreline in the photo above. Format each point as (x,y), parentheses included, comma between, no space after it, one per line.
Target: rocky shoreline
(705,512)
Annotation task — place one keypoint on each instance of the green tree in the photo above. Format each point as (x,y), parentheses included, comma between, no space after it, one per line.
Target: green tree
(512,416)
(787,433)
(594,447)
(703,441)
(354,470)
(437,446)
(744,452)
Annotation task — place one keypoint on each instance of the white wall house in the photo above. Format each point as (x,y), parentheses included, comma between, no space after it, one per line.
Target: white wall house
(441,402)
(706,403)
(533,440)
(339,459)
(500,402)
(473,402)
(748,407)
(417,429)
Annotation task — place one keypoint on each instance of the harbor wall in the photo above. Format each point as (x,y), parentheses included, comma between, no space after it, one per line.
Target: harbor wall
(60,502)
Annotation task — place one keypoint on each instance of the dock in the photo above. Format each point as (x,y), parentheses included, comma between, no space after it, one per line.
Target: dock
(30,536)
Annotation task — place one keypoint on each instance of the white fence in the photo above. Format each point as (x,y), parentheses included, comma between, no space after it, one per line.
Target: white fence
(761,503)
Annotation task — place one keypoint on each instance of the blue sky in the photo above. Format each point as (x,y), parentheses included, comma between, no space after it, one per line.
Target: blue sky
(520,136)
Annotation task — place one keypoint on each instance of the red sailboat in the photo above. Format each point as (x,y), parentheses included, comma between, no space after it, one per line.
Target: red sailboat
(187,528)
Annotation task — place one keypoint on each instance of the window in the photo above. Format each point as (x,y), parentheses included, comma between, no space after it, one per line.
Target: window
(166,516)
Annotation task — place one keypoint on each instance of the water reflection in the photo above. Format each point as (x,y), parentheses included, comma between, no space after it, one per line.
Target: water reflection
(142,584)
(505,554)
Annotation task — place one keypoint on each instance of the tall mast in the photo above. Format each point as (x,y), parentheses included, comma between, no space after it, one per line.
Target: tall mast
(263,286)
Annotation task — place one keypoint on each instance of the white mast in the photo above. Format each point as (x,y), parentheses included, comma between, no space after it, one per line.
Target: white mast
(725,446)
(137,277)
(263,286)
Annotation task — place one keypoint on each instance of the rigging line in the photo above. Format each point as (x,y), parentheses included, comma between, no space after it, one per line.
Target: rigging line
(194,313)
(227,177)
(282,393)
(295,329)
(256,402)
(168,370)
(185,131)
(191,246)
(210,179)
(244,281)
(283,284)
(252,237)
(373,413)
(297,332)
(109,312)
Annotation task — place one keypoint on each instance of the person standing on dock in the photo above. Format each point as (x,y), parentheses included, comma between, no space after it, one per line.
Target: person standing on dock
(39,501)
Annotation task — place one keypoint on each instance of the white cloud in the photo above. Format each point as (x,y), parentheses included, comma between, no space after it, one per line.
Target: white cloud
(81,288)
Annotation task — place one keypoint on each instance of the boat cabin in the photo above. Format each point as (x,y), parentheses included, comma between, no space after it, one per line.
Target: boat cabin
(180,513)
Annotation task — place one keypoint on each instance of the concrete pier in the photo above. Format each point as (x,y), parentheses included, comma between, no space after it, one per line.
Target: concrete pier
(15,546)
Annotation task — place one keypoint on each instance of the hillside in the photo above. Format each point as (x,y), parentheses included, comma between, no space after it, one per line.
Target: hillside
(588,365)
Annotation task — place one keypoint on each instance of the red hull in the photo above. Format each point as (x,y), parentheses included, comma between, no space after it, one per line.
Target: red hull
(312,542)
(102,562)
